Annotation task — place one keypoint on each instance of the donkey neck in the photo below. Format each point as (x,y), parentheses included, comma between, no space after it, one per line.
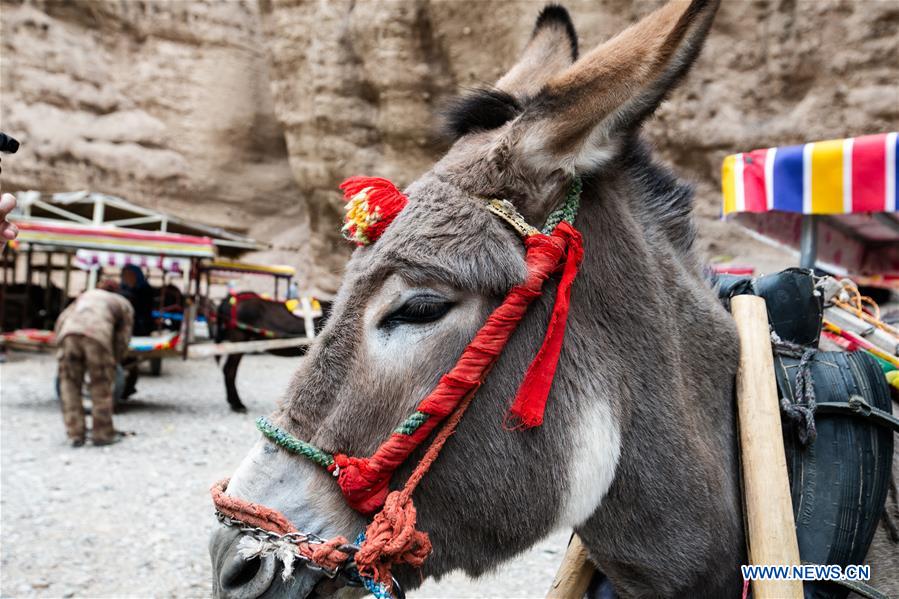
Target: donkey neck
(669,353)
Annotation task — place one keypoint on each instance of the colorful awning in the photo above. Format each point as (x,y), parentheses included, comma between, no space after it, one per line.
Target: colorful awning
(112,239)
(87,259)
(839,176)
(849,185)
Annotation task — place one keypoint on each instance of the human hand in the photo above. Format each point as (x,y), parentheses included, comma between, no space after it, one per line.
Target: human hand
(8,230)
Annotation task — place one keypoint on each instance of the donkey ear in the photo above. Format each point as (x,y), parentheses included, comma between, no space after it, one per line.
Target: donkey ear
(580,114)
(551,49)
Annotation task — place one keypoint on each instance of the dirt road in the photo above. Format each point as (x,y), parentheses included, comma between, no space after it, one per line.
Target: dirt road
(132,520)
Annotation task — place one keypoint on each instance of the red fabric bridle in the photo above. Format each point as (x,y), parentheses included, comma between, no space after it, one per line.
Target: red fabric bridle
(391,537)
(364,481)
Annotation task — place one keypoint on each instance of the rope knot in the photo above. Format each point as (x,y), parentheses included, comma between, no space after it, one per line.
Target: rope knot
(328,554)
(363,487)
(802,410)
(391,539)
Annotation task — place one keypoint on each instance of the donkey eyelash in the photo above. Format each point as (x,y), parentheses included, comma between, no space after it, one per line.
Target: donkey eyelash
(420,309)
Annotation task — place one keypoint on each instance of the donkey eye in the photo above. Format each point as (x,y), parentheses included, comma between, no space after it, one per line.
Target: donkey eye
(419,309)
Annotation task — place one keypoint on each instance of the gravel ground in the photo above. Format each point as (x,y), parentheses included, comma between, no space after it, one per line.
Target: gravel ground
(132,520)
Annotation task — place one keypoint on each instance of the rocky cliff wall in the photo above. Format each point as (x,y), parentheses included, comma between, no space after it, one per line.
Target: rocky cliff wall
(167,104)
(249,114)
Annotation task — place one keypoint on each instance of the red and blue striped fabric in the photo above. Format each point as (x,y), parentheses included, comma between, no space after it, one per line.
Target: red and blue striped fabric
(842,176)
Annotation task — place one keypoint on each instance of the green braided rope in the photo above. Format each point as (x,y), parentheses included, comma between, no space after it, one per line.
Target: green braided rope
(568,210)
(292,444)
(411,424)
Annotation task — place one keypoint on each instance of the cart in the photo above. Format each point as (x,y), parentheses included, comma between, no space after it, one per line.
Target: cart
(87,231)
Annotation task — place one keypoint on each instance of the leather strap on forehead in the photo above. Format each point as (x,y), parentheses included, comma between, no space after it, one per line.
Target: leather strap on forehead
(506,211)
(566,212)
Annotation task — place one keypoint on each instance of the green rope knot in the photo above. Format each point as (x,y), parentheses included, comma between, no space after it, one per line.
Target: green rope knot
(292,444)
(568,210)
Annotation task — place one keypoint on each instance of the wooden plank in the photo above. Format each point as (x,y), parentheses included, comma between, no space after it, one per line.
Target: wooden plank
(770,528)
(206,350)
(308,316)
(574,573)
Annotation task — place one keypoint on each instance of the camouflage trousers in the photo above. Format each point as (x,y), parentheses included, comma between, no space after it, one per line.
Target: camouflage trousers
(79,354)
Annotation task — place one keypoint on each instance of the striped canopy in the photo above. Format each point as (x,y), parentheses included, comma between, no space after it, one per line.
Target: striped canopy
(87,259)
(113,239)
(849,184)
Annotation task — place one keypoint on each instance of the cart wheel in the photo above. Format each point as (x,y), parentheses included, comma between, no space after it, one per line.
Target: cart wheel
(155,366)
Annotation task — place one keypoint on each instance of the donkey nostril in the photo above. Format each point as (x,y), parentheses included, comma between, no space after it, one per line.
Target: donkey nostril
(246,579)
(239,572)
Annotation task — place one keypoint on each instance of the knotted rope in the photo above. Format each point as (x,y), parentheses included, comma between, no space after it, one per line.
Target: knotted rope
(802,410)
(392,538)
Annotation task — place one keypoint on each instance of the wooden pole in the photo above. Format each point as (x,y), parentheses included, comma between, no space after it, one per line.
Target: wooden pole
(162,305)
(48,281)
(574,573)
(190,307)
(28,320)
(67,280)
(808,241)
(770,528)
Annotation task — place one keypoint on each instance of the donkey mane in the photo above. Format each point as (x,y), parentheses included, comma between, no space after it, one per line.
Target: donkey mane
(481,109)
(669,210)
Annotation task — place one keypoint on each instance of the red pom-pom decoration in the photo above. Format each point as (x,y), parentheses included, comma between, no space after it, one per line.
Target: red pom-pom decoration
(372,204)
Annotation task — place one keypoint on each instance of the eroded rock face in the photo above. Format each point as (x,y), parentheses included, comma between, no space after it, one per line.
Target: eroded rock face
(356,85)
(250,114)
(167,104)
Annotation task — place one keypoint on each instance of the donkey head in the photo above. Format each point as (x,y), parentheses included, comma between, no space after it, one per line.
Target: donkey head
(412,301)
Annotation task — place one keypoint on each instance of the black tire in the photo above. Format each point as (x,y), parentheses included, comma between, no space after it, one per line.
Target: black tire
(838,483)
(155,366)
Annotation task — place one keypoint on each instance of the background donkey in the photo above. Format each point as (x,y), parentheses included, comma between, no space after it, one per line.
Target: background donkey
(257,314)
(637,452)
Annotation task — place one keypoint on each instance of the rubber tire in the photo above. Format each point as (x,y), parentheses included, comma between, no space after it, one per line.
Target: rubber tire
(838,483)
(155,366)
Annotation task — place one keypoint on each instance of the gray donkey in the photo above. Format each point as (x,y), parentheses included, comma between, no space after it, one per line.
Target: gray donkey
(637,452)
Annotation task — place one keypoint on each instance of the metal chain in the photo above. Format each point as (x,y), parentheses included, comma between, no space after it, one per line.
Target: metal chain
(347,571)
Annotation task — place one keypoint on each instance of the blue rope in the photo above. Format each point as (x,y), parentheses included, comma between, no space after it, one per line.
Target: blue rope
(378,590)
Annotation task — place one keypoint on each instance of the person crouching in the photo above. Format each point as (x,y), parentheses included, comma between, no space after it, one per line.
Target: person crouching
(92,335)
